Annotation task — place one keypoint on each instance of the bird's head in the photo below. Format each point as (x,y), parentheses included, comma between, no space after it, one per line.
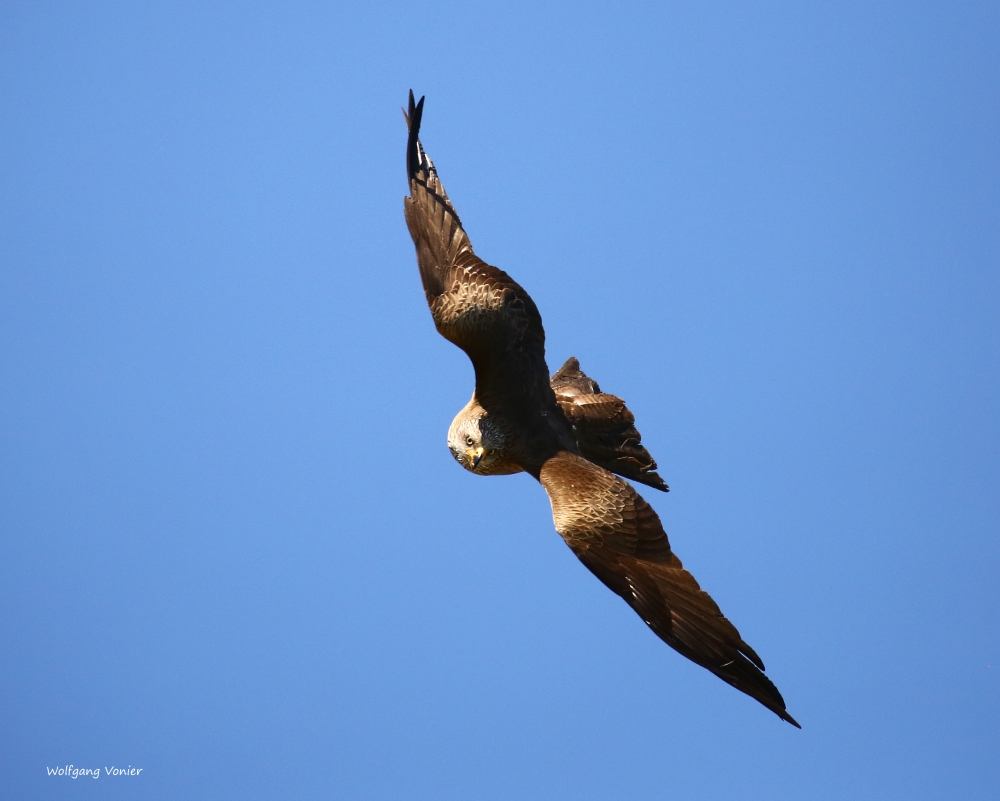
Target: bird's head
(478,442)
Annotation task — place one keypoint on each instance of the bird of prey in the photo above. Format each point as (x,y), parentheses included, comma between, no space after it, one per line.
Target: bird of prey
(565,432)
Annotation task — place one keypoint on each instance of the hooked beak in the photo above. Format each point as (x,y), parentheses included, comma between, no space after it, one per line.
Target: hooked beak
(476,456)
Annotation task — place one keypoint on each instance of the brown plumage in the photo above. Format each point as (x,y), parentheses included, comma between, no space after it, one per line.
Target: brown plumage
(603,427)
(566,433)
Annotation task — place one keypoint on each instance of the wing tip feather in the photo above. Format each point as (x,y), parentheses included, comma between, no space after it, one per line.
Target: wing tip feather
(413,117)
(786,717)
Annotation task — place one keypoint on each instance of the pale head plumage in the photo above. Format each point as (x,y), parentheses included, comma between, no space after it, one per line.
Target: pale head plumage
(478,442)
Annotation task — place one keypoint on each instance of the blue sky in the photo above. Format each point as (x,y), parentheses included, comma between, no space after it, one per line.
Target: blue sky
(235,550)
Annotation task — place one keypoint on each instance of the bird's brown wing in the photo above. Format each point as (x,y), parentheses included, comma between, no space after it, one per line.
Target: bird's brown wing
(618,536)
(474,305)
(603,427)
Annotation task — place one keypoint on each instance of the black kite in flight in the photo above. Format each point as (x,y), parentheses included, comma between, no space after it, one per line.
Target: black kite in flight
(566,433)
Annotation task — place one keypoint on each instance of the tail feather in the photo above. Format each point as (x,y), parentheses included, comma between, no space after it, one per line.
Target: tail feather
(603,426)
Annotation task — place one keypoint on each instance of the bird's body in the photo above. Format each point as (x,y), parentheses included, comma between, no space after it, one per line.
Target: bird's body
(564,432)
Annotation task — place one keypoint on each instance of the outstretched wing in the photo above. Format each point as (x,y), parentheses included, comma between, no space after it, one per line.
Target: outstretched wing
(618,536)
(603,427)
(474,305)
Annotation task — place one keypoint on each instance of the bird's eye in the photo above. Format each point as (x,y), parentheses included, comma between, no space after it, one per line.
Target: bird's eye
(469,441)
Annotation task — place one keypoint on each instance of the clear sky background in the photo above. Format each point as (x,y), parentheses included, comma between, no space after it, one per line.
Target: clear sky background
(235,550)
